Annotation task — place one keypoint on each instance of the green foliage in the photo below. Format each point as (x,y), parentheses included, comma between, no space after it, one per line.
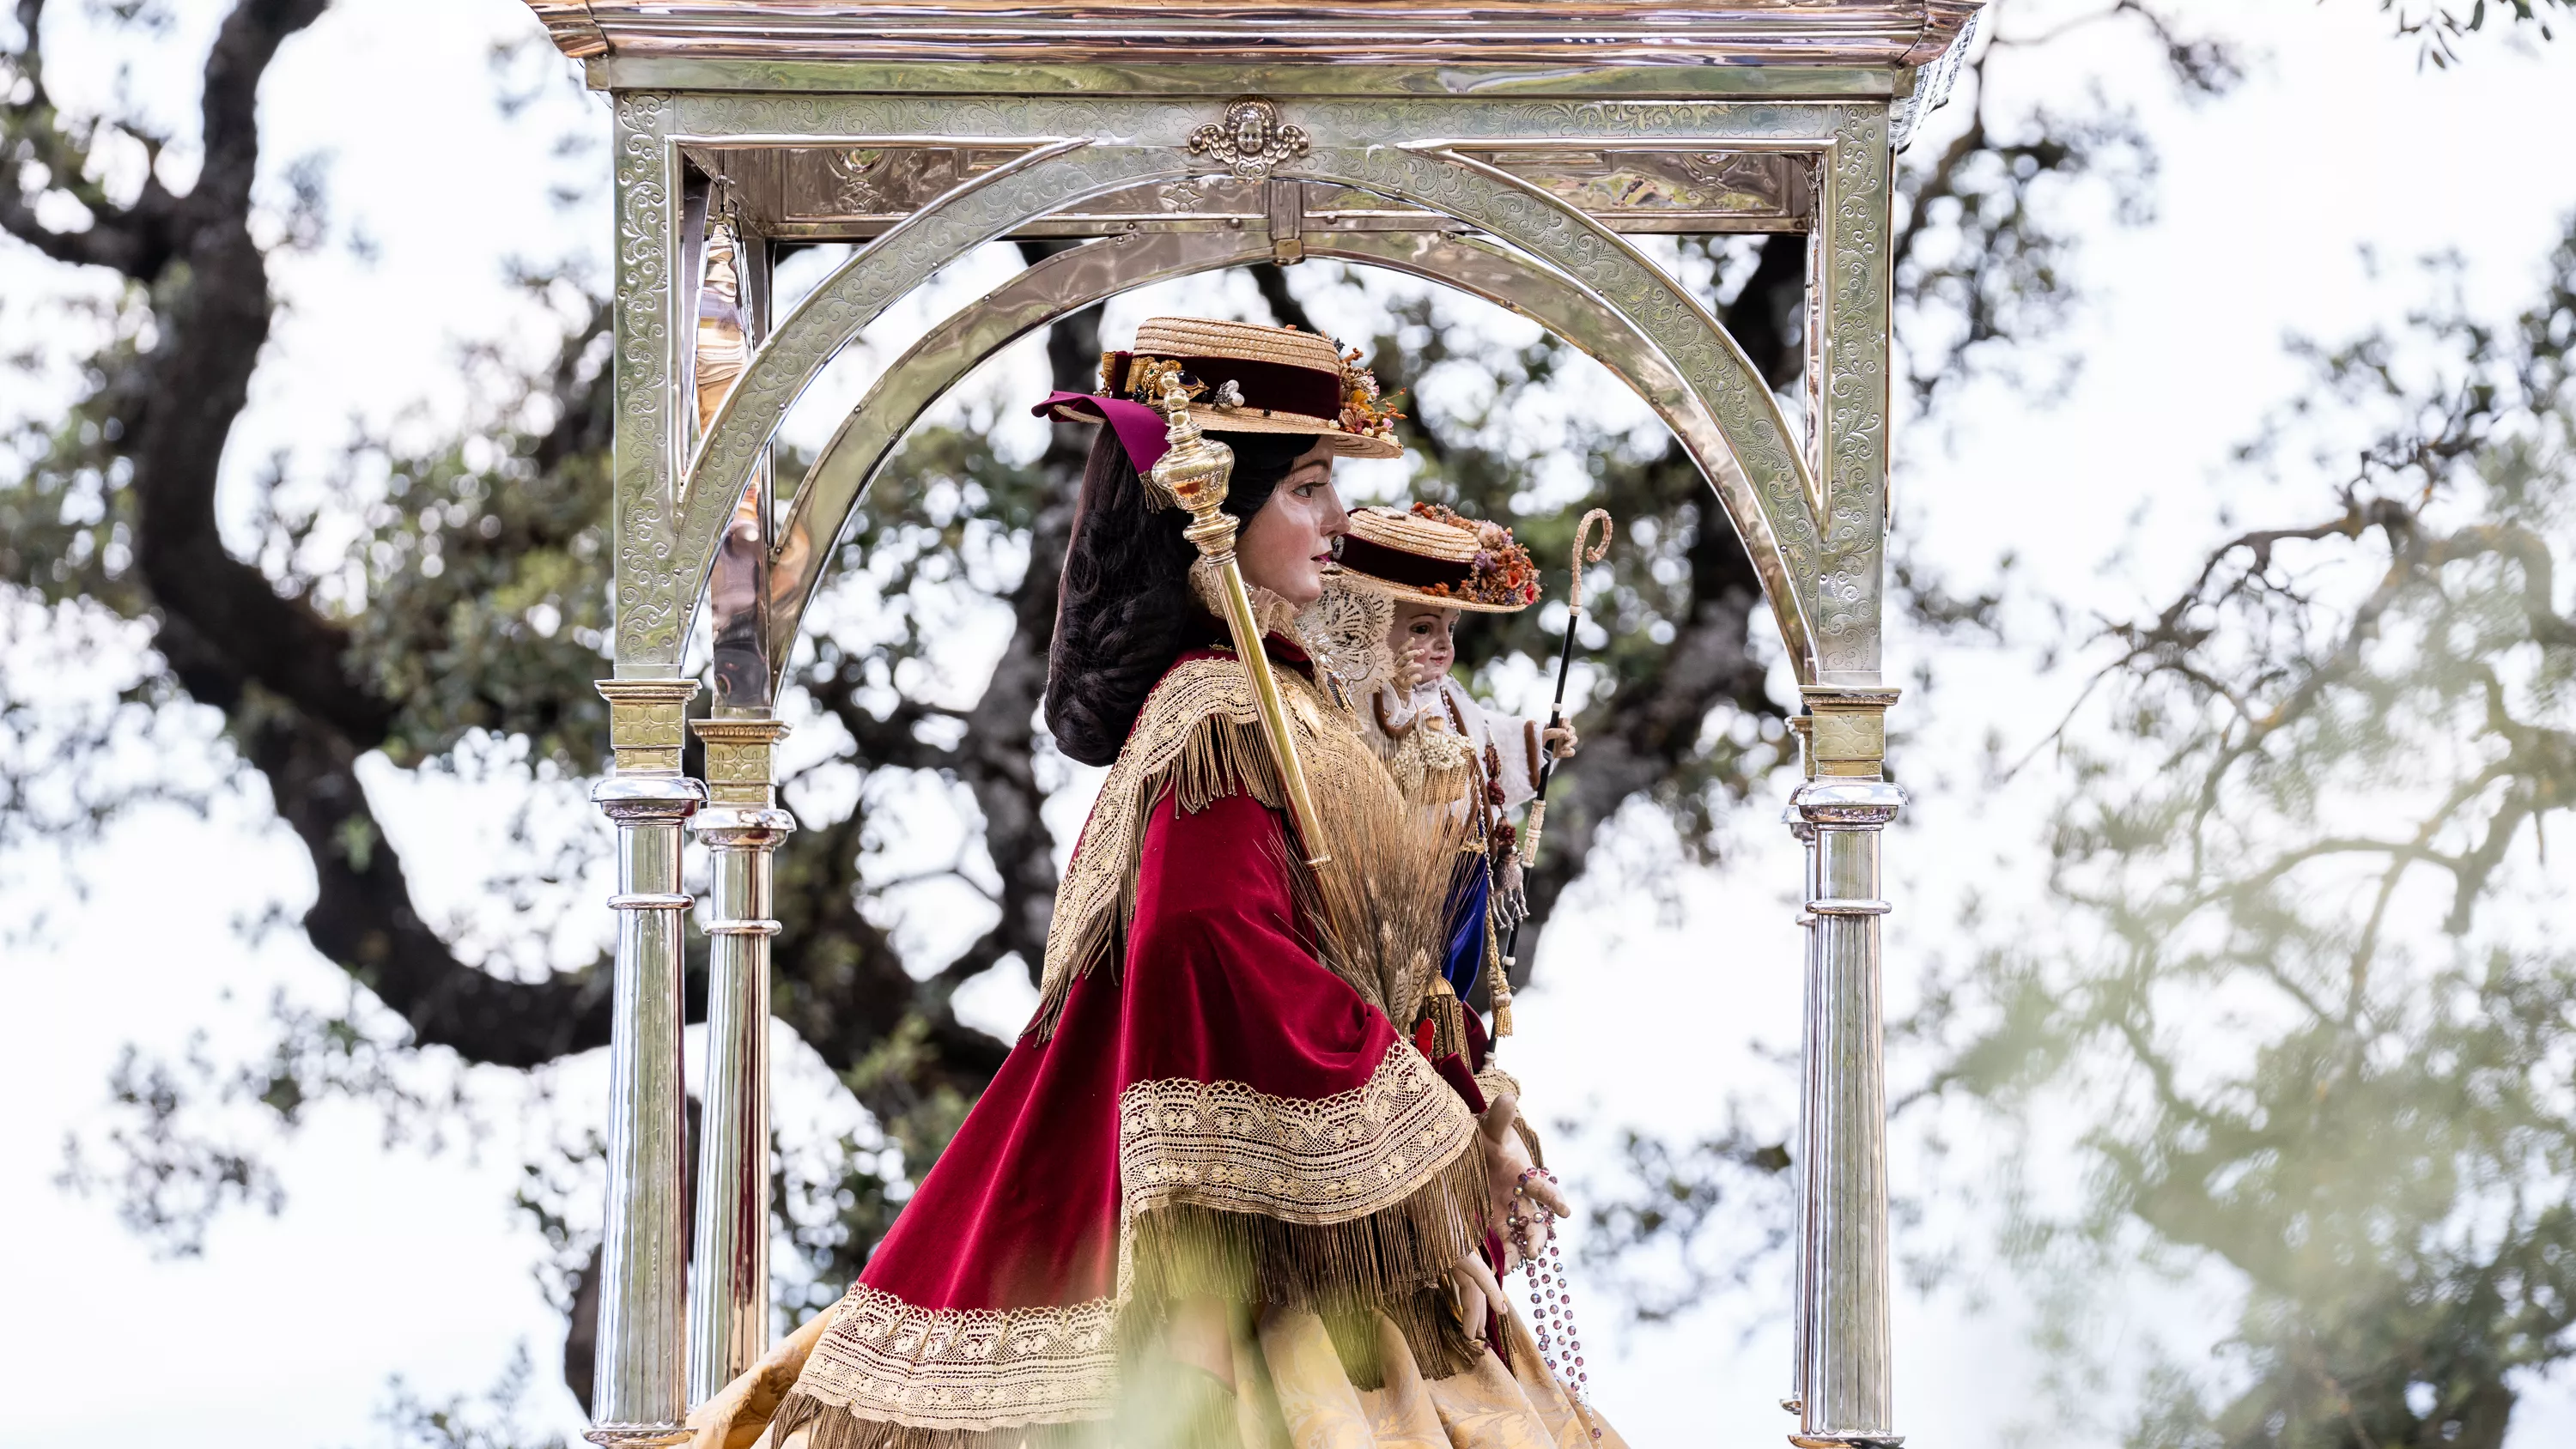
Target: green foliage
(2312,1013)
(489,1420)
(479,600)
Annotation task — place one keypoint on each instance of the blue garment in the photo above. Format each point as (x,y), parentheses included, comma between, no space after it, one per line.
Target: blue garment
(1471,894)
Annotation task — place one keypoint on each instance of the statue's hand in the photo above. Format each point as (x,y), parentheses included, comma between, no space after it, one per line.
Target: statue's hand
(1476,1296)
(1560,740)
(1521,1203)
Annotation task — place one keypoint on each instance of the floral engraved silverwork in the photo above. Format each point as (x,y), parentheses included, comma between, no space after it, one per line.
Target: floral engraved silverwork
(854,190)
(1251,139)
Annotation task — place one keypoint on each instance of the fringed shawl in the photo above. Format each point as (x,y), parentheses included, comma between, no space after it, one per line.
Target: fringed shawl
(1198,739)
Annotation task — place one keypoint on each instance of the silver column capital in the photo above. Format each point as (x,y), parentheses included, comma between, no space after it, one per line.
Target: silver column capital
(737,827)
(648,799)
(1799,829)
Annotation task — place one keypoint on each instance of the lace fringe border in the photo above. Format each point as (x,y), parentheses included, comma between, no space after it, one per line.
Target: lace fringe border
(1394,1261)
(1190,1411)
(1183,1251)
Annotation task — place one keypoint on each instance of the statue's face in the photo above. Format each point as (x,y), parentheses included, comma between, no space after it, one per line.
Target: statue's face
(1286,547)
(1251,132)
(1424,641)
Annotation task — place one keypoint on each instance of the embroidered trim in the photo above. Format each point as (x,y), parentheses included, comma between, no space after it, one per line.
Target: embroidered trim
(1352,1200)
(1223,1145)
(1198,738)
(966,1369)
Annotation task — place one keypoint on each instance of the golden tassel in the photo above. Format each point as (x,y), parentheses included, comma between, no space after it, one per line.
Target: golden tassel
(1448,1018)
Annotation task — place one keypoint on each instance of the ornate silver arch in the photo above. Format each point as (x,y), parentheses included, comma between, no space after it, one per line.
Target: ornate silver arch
(841,474)
(1832,564)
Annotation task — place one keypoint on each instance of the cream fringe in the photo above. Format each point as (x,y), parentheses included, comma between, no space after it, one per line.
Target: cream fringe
(1217,755)
(1396,1260)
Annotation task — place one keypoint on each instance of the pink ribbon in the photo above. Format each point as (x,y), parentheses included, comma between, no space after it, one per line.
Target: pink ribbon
(1141,430)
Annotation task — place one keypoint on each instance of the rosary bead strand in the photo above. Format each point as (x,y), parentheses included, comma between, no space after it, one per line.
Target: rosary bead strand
(1552,1304)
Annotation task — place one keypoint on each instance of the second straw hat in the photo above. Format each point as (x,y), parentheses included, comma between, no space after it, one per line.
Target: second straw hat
(1437,556)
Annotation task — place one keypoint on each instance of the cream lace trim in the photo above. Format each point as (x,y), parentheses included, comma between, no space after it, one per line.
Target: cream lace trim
(1223,1145)
(1345,633)
(966,1369)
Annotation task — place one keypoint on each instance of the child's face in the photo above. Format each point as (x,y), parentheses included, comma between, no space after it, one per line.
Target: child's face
(1423,640)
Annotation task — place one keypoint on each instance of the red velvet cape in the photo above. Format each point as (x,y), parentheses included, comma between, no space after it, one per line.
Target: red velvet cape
(1216,1073)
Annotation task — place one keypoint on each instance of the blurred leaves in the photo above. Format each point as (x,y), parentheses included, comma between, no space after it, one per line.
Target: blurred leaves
(180,1150)
(2439,26)
(488,1420)
(2311,1014)
(1676,1227)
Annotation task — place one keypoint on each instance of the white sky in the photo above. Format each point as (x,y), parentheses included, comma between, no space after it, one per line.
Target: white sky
(392,1261)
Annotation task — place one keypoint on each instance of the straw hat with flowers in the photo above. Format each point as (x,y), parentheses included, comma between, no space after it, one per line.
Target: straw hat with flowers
(1242,378)
(1436,556)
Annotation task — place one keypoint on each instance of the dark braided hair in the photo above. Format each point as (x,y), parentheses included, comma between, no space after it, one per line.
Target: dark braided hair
(1124,610)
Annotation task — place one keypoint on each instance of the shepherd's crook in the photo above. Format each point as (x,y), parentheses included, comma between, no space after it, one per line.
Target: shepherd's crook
(1194,475)
(1556,712)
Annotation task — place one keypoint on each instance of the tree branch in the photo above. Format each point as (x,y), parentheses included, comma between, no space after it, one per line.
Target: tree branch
(134,239)
(362,917)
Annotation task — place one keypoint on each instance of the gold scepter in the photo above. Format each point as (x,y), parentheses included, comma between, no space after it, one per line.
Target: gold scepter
(1193,474)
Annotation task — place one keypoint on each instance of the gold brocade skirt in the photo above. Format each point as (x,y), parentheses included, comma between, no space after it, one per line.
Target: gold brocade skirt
(1292,1392)
(1310,1403)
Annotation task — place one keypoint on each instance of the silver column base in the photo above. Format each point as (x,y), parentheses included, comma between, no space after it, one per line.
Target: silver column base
(636,1436)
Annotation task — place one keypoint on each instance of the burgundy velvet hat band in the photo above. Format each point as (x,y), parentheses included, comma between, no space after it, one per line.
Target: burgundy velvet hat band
(1141,430)
(1399,567)
(1268,386)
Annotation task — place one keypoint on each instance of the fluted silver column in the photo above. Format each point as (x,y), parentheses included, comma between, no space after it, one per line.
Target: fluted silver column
(637,1400)
(1845,1294)
(1803,1162)
(729,1285)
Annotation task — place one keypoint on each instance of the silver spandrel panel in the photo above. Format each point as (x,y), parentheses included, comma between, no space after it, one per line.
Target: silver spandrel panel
(851,193)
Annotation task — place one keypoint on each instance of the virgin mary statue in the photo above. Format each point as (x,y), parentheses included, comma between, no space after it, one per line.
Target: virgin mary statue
(1247,1178)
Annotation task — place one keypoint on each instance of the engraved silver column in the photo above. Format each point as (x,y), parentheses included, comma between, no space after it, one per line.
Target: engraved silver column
(638,1401)
(1844,1370)
(729,1287)
(1804,1160)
